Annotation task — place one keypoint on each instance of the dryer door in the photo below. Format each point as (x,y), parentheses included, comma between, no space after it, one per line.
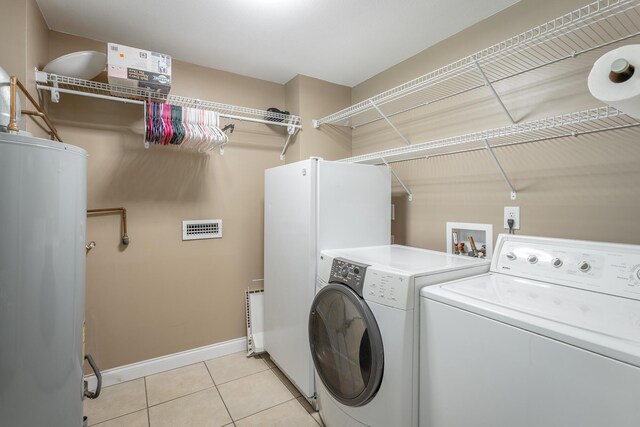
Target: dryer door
(346,345)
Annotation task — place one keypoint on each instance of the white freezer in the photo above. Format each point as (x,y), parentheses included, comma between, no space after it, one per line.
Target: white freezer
(310,206)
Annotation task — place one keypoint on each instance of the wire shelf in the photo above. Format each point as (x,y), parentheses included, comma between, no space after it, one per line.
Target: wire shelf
(82,87)
(572,124)
(591,27)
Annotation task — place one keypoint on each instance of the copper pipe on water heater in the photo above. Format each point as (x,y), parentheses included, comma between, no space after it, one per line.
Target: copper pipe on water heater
(43,114)
(122,212)
(13,124)
(15,84)
(32,113)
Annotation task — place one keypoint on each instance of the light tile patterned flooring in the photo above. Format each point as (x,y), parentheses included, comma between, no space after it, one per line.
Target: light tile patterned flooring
(232,390)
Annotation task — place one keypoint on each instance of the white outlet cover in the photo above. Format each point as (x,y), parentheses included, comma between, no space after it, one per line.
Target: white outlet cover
(512,212)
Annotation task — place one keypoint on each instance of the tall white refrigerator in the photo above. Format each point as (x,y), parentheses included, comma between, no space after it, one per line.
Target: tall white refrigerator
(310,206)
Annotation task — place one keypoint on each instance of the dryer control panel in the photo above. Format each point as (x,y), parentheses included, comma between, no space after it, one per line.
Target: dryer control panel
(389,288)
(601,267)
(348,273)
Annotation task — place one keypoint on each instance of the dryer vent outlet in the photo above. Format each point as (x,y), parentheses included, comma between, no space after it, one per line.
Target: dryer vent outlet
(202,229)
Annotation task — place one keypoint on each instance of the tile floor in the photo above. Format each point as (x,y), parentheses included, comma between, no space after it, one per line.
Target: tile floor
(233,390)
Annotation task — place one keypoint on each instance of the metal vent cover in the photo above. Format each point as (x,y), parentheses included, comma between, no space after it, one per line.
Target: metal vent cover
(254,300)
(202,229)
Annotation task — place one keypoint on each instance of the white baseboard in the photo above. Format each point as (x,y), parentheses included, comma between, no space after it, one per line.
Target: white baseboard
(166,363)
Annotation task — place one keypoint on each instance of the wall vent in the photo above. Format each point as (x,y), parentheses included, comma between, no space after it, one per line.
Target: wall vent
(202,229)
(254,301)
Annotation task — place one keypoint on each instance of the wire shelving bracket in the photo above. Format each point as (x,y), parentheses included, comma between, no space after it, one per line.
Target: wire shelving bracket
(409,193)
(596,25)
(493,91)
(291,131)
(406,141)
(57,85)
(501,169)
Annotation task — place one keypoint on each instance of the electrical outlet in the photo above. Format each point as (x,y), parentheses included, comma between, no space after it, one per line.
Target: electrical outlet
(512,212)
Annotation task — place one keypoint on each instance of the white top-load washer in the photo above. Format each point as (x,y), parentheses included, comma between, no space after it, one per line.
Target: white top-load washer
(549,338)
(363,330)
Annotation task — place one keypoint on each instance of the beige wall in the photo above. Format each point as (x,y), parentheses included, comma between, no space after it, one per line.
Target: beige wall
(399,220)
(24,34)
(37,45)
(292,104)
(312,98)
(12,31)
(160,295)
(583,187)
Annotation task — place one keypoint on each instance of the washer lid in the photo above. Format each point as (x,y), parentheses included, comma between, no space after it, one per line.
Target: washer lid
(605,324)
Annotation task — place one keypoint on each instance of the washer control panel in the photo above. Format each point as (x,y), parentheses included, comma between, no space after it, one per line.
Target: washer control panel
(348,273)
(602,267)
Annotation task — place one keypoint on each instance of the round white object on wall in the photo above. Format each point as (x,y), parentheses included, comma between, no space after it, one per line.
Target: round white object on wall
(80,65)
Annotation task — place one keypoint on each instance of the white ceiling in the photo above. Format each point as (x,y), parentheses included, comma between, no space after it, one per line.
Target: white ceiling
(341,41)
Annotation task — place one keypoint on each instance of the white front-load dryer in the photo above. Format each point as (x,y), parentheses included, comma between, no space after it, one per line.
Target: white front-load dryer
(360,347)
(363,330)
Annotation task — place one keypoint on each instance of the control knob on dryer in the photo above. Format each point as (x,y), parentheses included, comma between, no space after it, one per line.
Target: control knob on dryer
(556,262)
(345,271)
(511,256)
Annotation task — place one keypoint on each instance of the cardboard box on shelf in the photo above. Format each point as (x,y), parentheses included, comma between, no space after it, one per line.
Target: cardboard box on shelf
(133,67)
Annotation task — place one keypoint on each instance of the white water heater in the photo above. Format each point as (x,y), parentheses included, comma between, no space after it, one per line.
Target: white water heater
(42,281)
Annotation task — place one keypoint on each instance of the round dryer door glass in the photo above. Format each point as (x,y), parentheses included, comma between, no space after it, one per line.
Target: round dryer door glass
(346,345)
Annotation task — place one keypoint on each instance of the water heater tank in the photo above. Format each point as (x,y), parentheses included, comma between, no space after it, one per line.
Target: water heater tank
(42,281)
